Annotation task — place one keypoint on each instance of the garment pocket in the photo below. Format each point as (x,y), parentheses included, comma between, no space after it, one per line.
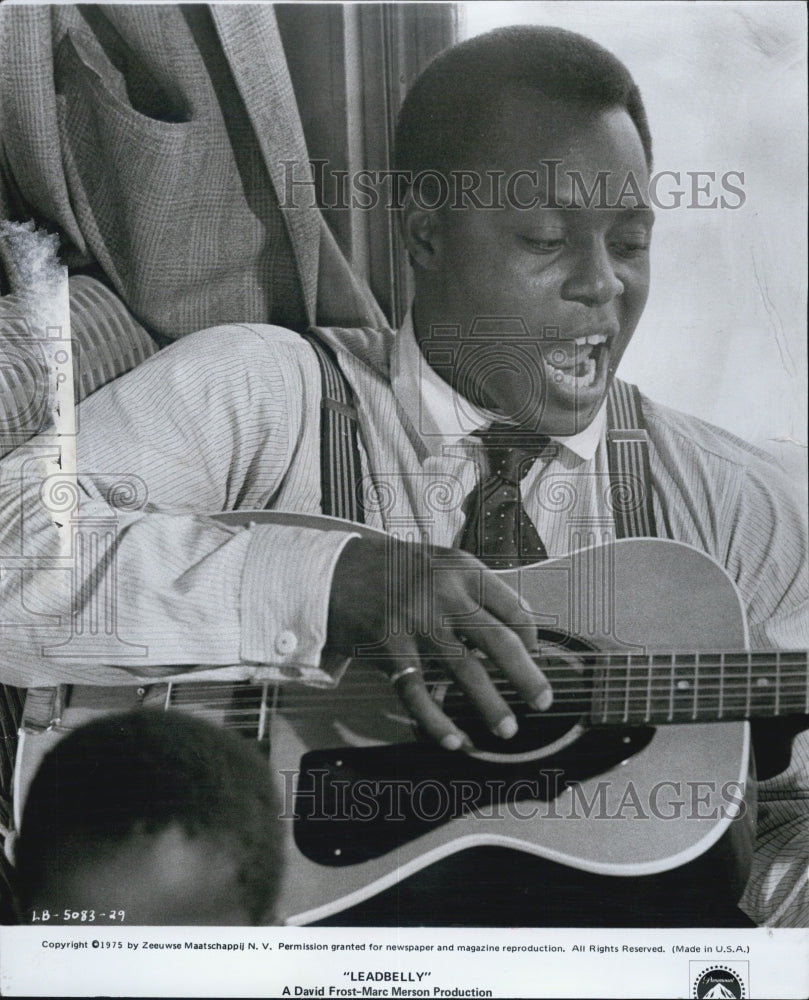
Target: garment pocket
(84,72)
(135,182)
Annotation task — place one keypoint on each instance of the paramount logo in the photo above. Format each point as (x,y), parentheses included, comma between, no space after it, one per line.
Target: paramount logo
(719,982)
(719,992)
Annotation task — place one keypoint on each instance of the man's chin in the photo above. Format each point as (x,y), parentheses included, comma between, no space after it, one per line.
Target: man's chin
(561,414)
(569,412)
(564,405)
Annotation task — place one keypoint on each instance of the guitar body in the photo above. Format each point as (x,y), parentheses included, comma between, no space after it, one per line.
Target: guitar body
(635,596)
(368,804)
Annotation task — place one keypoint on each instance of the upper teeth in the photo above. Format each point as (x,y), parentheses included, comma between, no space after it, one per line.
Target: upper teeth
(594,338)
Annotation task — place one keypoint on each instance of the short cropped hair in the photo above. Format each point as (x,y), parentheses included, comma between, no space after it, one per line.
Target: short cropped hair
(445,116)
(139,773)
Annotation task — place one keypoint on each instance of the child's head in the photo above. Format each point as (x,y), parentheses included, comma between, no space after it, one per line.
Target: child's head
(159,814)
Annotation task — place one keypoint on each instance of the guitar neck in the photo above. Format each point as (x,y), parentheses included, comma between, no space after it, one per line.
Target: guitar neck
(622,689)
(698,687)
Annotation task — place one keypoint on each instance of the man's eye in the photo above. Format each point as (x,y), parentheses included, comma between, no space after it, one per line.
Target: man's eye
(549,245)
(630,249)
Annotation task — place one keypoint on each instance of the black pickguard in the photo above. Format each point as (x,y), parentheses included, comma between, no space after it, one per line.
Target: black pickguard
(354,804)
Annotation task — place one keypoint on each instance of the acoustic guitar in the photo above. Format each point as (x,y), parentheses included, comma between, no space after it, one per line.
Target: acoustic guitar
(642,767)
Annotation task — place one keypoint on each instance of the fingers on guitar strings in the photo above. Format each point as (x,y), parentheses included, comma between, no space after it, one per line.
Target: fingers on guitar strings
(417,700)
(507,652)
(473,678)
(504,603)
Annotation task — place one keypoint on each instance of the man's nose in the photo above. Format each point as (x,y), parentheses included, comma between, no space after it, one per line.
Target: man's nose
(592,280)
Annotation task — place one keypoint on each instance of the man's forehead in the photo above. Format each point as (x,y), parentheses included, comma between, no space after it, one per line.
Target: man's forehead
(523,123)
(530,151)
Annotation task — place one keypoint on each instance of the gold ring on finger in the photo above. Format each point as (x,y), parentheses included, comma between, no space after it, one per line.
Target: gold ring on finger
(396,677)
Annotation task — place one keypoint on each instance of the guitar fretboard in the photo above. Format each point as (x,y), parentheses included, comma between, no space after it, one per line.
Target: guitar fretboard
(698,687)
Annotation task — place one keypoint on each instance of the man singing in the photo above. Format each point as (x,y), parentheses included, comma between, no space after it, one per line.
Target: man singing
(530,280)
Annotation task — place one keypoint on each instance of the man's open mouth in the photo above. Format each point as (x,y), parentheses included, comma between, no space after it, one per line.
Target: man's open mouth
(575,363)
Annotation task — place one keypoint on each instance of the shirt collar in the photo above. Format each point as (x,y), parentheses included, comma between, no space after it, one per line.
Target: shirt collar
(442,416)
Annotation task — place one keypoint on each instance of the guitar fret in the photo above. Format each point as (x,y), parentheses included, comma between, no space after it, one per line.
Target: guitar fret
(711,686)
(683,689)
(658,693)
(606,689)
(262,713)
(749,686)
(777,682)
(792,686)
(692,687)
(615,703)
(737,686)
(766,689)
(627,675)
(671,691)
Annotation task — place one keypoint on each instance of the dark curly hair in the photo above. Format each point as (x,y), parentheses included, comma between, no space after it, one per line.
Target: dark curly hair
(444,120)
(141,772)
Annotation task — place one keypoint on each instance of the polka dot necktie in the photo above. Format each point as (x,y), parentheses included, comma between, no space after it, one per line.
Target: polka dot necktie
(497,529)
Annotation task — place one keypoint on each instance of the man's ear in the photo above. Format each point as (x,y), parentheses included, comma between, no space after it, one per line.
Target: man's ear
(422,232)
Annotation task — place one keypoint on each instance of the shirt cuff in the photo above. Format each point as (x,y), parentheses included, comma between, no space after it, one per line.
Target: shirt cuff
(286,585)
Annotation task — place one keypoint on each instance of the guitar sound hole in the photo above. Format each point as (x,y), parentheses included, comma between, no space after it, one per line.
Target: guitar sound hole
(564,661)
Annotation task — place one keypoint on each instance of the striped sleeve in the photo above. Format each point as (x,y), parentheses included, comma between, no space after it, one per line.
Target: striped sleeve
(135,577)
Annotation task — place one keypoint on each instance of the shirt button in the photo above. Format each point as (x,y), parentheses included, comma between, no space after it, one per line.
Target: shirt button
(286,642)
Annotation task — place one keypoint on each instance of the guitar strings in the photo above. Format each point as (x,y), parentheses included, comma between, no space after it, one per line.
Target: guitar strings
(562,692)
(626,689)
(613,688)
(638,685)
(638,707)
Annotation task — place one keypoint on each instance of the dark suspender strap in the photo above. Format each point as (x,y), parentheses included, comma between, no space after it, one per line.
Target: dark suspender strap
(628,452)
(11,710)
(340,465)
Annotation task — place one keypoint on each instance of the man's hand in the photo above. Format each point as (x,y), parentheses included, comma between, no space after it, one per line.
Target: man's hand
(397,605)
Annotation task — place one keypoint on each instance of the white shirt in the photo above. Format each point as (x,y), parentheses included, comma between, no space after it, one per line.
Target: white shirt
(229,418)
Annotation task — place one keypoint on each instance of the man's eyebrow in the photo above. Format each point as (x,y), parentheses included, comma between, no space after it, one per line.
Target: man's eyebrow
(637,213)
